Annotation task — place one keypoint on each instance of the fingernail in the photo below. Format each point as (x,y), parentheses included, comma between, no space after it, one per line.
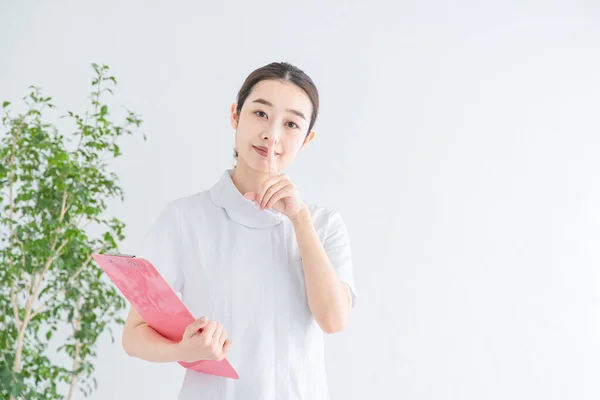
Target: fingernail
(203,319)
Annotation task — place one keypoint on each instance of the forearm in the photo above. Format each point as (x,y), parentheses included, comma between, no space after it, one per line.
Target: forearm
(327,298)
(145,343)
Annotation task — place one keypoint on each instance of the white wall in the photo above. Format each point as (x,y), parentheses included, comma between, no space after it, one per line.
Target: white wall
(459,142)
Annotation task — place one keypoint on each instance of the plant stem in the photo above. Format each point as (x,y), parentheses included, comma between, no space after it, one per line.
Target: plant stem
(34,287)
(63,209)
(76,328)
(15,306)
(32,295)
(21,335)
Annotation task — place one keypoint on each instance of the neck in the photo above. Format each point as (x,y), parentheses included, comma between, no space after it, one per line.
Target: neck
(247,179)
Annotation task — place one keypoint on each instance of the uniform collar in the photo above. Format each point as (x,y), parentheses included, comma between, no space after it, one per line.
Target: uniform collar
(241,210)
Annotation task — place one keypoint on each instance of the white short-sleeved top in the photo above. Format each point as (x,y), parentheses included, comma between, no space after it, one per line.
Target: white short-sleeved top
(241,266)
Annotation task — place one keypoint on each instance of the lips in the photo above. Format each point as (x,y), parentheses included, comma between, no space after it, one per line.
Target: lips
(263,150)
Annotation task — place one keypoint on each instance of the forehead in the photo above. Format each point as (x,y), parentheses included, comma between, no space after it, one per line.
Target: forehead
(283,95)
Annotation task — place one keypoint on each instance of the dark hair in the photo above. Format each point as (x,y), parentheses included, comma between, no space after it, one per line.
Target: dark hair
(285,72)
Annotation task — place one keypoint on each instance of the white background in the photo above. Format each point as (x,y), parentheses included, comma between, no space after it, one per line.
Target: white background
(460,143)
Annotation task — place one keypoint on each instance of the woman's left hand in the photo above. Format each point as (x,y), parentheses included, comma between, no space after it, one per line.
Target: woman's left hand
(278,191)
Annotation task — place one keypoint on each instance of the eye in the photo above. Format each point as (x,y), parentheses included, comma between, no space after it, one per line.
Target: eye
(261,114)
(294,125)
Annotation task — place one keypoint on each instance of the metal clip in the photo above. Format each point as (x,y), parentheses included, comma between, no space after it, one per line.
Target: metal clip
(120,255)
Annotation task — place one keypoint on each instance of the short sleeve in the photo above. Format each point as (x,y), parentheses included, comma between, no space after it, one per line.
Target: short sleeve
(162,247)
(337,247)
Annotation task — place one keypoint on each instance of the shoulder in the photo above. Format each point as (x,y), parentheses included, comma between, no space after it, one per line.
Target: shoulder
(190,204)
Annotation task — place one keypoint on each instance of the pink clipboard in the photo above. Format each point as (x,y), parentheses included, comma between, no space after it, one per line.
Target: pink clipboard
(157,303)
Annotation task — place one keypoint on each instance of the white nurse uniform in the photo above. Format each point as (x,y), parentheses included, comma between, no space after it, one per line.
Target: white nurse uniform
(241,266)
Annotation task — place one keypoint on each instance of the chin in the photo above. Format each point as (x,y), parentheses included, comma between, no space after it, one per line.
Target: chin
(254,161)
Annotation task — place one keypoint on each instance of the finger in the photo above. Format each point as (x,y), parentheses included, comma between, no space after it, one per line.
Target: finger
(226,347)
(272,163)
(271,192)
(251,196)
(195,326)
(217,334)
(265,186)
(222,338)
(281,194)
(222,349)
(209,330)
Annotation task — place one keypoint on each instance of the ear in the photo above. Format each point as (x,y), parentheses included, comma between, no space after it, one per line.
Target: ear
(308,139)
(234,116)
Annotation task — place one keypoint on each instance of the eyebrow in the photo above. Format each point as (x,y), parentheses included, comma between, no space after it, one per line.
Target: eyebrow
(267,103)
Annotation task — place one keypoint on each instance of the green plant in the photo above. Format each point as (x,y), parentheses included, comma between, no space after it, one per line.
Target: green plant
(53,187)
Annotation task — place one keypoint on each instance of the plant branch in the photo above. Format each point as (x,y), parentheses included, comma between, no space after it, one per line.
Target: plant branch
(15,306)
(63,209)
(69,282)
(76,327)
(49,262)
(32,294)
(51,196)
(21,335)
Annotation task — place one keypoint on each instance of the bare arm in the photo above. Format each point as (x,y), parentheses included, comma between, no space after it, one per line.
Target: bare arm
(141,341)
(329,299)
(202,340)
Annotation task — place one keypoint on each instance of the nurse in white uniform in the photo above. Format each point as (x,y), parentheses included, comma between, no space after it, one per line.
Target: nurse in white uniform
(269,273)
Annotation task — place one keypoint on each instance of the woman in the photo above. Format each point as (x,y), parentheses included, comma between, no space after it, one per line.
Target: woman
(269,272)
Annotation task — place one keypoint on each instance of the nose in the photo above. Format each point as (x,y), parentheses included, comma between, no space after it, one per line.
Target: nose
(271,136)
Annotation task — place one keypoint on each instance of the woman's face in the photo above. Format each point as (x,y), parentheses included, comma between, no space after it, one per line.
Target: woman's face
(274,112)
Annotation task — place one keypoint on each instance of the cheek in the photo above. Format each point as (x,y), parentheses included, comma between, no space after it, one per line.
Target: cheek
(241,135)
(246,129)
(296,143)
(291,147)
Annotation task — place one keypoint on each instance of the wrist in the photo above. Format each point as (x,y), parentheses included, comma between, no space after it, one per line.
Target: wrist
(177,352)
(301,218)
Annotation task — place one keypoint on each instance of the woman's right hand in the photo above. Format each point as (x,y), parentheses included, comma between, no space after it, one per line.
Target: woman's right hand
(203,340)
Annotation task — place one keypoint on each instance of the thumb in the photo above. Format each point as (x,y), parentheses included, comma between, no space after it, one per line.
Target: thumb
(250,196)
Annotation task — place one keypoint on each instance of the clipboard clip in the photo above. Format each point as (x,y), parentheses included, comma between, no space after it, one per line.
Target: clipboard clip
(120,255)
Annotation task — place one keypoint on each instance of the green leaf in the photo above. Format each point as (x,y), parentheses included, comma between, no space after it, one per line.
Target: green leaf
(48,161)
